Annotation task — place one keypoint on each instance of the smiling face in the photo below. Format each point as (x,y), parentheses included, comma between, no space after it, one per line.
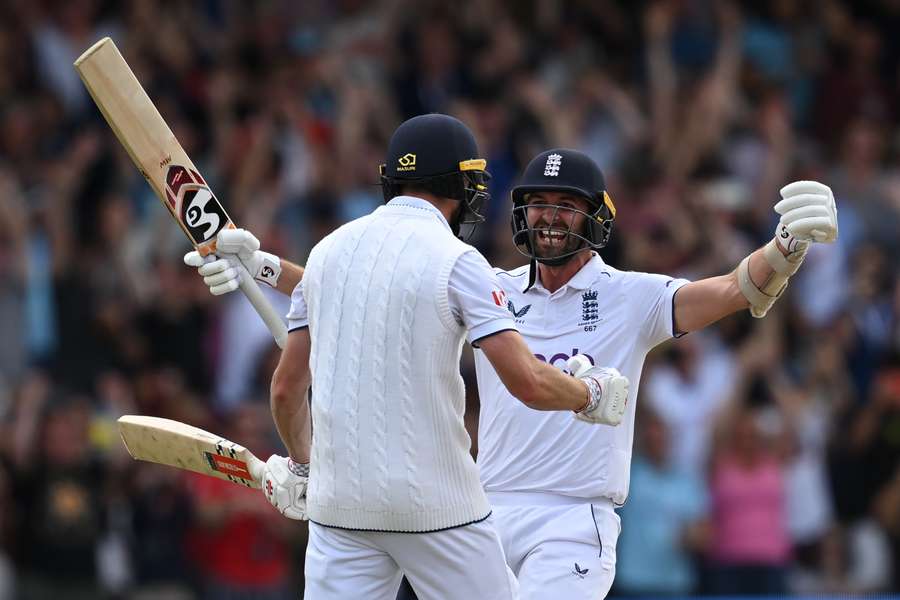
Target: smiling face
(551,216)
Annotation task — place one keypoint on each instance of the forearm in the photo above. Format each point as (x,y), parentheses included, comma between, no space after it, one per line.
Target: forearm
(290,411)
(700,303)
(536,384)
(554,390)
(761,272)
(290,383)
(291,274)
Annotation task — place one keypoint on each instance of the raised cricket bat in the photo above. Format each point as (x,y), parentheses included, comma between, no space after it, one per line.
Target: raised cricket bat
(176,444)
(162,161)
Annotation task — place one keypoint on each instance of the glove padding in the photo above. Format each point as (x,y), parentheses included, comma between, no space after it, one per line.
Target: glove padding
(284,486)
(221,275)
(609,391)
(234,247)
(808,212)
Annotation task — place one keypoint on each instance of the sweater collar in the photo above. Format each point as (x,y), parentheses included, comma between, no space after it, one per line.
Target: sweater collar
(419,203)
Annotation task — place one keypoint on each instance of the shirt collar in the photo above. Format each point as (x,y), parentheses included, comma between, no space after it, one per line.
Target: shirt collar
(413,202)
(583,279)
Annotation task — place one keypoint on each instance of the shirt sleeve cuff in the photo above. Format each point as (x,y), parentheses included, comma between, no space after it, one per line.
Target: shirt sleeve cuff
(490,328)
(675,333)
(294,324)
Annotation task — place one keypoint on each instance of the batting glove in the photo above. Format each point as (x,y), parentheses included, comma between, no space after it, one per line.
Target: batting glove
(608,391)
(808,214)
(221,273)
(284,485)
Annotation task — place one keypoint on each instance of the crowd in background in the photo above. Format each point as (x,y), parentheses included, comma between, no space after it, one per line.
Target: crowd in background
(767,453)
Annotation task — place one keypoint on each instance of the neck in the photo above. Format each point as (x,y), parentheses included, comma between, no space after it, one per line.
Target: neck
(553,278)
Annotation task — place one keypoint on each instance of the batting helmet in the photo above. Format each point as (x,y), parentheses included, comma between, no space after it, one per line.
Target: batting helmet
(438,154)
(569,171)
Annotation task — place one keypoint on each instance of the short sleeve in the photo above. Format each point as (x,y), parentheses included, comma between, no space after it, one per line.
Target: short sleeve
(477,299)
(657,308)
(298,316)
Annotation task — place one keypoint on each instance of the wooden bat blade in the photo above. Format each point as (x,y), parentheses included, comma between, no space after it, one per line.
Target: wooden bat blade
(162,161)
(151,144)
(176,444)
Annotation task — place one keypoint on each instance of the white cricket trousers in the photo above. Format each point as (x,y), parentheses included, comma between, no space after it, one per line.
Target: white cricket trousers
(559,548)
(464,563)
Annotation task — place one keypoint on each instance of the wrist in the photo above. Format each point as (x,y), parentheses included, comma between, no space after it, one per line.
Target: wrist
(587,398)
(781,247)
(298,468)
(268,270)
(787,243)
(593,397)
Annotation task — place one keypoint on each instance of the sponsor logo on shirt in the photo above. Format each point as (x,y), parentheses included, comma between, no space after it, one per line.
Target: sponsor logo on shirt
(560,359)
(518,314)
(579,572)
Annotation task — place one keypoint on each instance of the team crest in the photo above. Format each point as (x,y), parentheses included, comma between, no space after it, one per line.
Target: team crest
(590,309)
(554,162)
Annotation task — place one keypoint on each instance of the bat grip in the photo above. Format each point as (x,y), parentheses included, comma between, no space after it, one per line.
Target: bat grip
(257,469)
(271,318)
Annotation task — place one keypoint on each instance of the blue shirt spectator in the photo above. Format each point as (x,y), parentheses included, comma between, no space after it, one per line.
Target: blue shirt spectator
(663,520)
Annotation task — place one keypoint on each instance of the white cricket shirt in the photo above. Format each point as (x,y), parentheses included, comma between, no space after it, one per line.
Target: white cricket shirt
(615,317)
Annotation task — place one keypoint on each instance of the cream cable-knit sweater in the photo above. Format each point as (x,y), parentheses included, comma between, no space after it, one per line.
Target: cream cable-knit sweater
(390,451)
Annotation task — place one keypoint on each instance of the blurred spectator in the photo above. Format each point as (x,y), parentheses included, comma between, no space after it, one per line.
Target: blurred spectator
(13,272)
(750,545)
(868,458)
(687,391)
(240,543)
(161,517)
(697,110)
(664,521)
(60,489)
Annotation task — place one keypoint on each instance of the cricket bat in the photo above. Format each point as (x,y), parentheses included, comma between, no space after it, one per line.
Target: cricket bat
(162,161)
(168,442)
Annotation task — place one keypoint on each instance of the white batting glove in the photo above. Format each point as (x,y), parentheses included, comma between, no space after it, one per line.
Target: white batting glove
(221,275)
(284,485)
(808,214)
(234,247)
(608,391)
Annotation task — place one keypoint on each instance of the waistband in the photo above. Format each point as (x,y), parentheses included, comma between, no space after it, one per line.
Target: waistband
(544,499)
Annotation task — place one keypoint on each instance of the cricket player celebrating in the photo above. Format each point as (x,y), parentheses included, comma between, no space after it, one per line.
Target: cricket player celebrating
(553,481)
(378,323)
(554,484)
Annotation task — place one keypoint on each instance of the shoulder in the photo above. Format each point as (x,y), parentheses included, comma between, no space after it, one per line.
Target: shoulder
(641,280)
(347,229)
(453,252)
(516,273)
(512,281)
(519,274)
(457,244)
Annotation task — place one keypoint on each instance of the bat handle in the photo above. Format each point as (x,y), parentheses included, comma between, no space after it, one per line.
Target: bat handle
(257,469)
(271,318)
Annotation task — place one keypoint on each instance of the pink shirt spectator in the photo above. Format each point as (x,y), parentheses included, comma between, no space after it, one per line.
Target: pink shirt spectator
(748,502)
